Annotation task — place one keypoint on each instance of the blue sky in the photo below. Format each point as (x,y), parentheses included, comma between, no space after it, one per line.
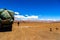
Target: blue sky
(49,9)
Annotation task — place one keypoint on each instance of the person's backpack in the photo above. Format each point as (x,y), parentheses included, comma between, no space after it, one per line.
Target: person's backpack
(10,15)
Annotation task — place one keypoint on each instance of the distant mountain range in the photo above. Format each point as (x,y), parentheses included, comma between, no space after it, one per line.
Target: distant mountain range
(47,21)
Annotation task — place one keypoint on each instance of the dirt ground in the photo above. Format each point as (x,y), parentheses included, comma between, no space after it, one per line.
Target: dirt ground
(32,31)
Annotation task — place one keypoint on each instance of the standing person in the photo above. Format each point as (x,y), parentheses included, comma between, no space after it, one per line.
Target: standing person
(6,19)
(18,23)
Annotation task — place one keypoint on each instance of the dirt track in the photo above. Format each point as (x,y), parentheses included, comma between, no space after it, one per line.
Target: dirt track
(32,31)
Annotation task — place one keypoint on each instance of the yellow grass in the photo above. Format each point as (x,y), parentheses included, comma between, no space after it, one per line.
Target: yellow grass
(32,31)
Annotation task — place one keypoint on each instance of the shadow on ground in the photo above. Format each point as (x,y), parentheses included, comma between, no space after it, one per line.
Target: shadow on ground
(5,29)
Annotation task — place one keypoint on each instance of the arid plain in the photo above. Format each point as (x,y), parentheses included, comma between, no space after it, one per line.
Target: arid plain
(33,31)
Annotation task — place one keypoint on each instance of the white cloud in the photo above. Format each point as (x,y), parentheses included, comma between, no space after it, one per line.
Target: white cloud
(21,17)
(33,17)
(36,17)
(17,13)
(26,15)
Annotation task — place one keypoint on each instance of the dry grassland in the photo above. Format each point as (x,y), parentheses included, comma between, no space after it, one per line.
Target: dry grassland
(33,31)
